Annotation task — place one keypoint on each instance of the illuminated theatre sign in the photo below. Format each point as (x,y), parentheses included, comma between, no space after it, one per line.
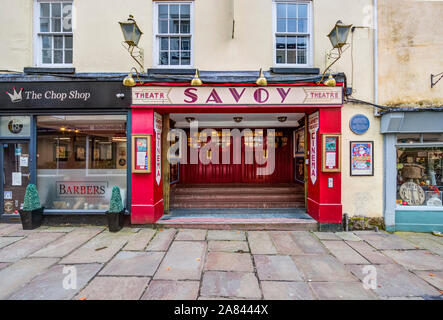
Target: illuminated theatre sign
(148,95)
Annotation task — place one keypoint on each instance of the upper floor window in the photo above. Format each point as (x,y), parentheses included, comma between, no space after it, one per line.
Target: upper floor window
(293,35)
(53,25)
(173,34)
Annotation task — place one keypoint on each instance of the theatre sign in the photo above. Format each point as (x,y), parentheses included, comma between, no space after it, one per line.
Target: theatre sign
(276,95)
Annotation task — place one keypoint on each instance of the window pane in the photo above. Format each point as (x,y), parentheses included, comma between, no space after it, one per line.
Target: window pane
(175,43)
(68,56)
(44,25)
(67,10)
(173,26)
(46,56)
(292,11)
(302,11)
(186,58)
(301,57)
(47,42)
(163,26)
(302,42)
(302,25)
(174,11)
(281,43)
(185,11)
(292,25)
(281,10)
(432,137)
(163,11)
(291,42)
(408,138)
(44,9)
(68,42)
(291,56)
(281,25)
(56,10)
(185,44)
(185,26)
(163,59)
(281,56)
(58,42)
(78,166)
(56,25)
(164,43)
(175,58)
(58,56)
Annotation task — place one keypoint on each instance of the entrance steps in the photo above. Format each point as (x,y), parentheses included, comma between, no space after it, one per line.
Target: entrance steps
(231,196)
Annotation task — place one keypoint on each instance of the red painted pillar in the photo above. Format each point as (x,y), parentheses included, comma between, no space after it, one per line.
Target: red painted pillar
(147,196)
(324,203)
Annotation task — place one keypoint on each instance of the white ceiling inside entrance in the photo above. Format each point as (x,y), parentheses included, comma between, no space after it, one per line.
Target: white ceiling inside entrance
(249,120)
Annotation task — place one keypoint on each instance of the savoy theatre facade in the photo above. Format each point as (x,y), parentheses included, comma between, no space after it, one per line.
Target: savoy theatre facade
(235,148)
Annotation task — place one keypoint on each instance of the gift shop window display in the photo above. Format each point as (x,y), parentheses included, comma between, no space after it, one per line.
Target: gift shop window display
(420,169)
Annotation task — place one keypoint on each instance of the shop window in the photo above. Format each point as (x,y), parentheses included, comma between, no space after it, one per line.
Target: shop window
(173,34)
(292,26)
(53,25)
(419,176)
(79,159)
(15,126)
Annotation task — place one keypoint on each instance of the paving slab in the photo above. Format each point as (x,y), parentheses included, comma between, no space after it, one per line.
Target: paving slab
(428,244)
(7,228)
(19,273)
(341,291)
(229,261)
(322,268)
(67,243)
(99,249)
(395,281)
(162,240)
(283,290)
(191,234)
(3,265)
(140,240)
(386,241)
(132,263)
(6,241)
(23,233)
(114,288)
(370,254)
(344,253)
(416,259)
(327,236)
(27,246)
(228,246)
(226,235)
(348,236)
(49,284)
(276,268)
(171,290)
(308,243)
(58,229)
(284,243)
(230,284)
(183,261)
(434,278)
(260,243)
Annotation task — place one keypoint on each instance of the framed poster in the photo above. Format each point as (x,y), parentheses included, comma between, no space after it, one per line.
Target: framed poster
(80,153)
(300,169)
(331,152)
(299,141)
(362,158)
(61,152)
(141,153)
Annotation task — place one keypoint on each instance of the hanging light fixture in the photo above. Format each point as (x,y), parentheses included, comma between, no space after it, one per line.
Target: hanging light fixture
(196,81)
(129,81)
(330,82)
(132,35)
(190,119)
(261,81)
(282,119)
(238,119)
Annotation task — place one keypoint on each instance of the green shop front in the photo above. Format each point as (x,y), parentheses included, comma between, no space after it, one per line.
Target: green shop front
(413,157)
(67,137)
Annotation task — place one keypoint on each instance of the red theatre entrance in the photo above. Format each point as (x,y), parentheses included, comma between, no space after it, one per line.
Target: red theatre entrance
(302,122)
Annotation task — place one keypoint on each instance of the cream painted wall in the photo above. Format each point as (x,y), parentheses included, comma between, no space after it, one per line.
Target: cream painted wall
(411,49)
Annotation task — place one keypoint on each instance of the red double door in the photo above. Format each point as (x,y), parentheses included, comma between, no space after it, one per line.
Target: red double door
(245,172)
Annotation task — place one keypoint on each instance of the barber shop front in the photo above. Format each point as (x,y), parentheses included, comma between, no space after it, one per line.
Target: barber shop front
(68,138)
(235,148)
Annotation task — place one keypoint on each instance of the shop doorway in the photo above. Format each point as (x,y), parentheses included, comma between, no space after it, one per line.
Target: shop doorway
(15,161)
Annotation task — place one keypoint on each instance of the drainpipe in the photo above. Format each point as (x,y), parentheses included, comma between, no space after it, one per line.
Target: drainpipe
(375,22)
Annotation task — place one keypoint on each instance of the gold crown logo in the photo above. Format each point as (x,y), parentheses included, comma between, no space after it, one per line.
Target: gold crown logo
(17,96)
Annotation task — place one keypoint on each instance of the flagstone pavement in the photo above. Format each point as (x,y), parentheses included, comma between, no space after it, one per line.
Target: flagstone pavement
(89,262)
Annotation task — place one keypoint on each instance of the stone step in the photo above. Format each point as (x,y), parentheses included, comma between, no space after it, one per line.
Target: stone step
(225,204)
(237,197)
(243,190)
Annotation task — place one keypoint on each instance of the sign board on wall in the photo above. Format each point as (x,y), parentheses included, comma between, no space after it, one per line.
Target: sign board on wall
(158,148)
(313,125)
(148,95)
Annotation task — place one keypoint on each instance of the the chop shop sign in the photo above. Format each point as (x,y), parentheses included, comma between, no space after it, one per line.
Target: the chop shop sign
(236,95)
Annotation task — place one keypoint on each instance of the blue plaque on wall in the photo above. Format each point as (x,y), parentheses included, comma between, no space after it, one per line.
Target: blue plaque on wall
(359,124)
